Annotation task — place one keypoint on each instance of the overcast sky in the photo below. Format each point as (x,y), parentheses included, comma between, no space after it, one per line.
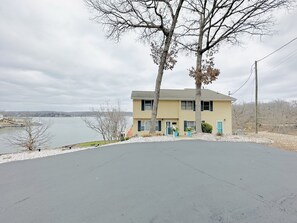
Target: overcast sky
(53,57)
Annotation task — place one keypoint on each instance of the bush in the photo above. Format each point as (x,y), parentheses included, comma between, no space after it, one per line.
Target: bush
(188,129)
(206,128)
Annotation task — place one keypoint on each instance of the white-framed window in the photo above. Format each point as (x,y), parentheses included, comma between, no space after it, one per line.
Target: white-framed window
(147,105)
(188,105)
(189,124)
(144,125)
(206,105)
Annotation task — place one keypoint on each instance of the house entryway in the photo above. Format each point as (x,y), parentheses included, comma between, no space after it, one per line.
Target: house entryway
(168,128)
(219,127)
(169,125)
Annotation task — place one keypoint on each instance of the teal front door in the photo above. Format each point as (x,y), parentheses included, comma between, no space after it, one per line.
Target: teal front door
(220,127)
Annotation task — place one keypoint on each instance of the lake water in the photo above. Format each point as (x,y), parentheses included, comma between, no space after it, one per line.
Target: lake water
(64,131)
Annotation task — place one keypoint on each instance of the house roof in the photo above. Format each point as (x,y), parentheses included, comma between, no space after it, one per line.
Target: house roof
(181,94)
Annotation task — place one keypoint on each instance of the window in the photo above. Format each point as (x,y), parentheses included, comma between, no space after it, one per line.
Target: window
(144,125)
(206,105)
(190,124)
(146,105)
(188,105)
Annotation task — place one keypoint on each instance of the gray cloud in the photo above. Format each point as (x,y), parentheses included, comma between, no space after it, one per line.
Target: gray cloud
(53,57)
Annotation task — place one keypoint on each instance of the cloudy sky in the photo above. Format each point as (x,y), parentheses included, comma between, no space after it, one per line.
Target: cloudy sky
(53,57)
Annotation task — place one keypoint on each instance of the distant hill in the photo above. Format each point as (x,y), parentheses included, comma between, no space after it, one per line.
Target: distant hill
(51,114)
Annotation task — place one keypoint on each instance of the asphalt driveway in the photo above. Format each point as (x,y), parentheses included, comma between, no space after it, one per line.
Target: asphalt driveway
(183,181)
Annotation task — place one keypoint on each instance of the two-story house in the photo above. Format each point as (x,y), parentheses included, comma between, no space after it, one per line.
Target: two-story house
(177,108)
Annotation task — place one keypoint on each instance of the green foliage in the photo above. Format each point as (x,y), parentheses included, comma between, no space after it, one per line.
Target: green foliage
(175,129)
(188,129)
(206,127)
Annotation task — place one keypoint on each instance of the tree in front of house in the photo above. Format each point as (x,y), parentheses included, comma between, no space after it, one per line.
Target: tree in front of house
(211,23)
(155,22)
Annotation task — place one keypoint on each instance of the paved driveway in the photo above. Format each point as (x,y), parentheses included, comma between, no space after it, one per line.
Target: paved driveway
(183,181)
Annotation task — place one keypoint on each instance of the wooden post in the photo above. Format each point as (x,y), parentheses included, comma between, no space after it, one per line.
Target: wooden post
(256,97)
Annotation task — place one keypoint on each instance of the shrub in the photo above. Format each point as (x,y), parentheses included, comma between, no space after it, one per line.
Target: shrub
(188,129)
(206,127)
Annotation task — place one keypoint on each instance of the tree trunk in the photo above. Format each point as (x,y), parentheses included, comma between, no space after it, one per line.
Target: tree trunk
(198,81)
(158,85)
(161,69)
(198,96)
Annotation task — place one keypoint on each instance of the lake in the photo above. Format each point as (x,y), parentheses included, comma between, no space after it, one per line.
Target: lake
(64,131)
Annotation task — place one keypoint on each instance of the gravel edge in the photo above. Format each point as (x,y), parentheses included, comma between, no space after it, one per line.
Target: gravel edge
(206,137)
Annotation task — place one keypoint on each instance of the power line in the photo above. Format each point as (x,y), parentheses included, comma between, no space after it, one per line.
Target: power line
(268,55)
(253,91)
(251,72)
(282,61)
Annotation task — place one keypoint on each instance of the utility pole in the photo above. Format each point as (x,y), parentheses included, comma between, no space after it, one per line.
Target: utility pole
(256,97)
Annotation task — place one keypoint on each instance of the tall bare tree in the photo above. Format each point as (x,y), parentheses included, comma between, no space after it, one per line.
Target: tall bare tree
(32,137)
(210,23)
(108,121)
(275,116)
(156,22)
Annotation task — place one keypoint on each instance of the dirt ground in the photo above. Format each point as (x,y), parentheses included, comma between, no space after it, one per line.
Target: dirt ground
(282,141)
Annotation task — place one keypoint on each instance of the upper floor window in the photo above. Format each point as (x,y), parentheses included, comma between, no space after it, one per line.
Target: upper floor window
(188,105)
(146,105)
(206,105)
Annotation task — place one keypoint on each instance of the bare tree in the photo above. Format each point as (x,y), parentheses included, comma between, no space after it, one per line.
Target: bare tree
(34,136)
(275,116)
(211,23)
(154,19)
(109,122)
(243,117)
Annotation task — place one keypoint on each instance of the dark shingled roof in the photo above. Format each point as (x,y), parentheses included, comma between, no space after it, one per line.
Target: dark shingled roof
(181,94)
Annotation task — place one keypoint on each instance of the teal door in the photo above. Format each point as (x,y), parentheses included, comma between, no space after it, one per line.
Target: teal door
(220,127)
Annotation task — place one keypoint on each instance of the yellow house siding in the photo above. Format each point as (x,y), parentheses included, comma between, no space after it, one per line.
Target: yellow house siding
(168,109)
(221,112)
(185,115)
(171,111)
(137,113)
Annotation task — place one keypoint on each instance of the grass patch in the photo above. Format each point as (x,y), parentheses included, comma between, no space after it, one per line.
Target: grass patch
(94,143)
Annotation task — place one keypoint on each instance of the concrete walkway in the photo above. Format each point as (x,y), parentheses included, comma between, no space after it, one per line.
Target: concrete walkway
(174,182)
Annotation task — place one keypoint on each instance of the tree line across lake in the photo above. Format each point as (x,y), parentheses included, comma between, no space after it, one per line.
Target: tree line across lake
(53,114)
